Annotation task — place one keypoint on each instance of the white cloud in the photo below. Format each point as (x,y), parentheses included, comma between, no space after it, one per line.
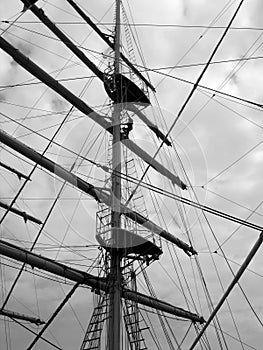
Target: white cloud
(214,139)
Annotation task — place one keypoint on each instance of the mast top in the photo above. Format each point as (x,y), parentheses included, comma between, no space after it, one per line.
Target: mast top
(129,242)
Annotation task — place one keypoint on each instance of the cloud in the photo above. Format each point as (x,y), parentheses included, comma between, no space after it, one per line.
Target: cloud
(57,104)
(2,97)
(5,65)
(216,135)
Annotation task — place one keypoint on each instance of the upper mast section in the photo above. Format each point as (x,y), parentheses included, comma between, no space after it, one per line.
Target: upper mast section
(111,44)
(117,85)
(115,235)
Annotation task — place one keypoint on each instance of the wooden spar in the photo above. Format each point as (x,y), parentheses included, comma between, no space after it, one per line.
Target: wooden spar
(39,13)
(158,305)
(113,83)
(152,162)
(133,108)
(40,74)
(97,283)
(14,171)
(25,256)
(18,316)
(109,43)
(88,188)
(21,213)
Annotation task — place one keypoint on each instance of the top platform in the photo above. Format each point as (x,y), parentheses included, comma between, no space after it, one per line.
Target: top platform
(129,242)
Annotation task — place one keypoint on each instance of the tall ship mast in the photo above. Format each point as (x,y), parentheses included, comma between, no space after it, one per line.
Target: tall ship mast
(110,239)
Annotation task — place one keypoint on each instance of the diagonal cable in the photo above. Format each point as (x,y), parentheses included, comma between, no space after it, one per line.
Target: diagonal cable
(56,312)
(189,96)
(33,245)
(235,162)
(31,331)
(51,209)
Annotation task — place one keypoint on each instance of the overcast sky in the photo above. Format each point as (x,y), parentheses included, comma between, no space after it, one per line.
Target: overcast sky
(218,140)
